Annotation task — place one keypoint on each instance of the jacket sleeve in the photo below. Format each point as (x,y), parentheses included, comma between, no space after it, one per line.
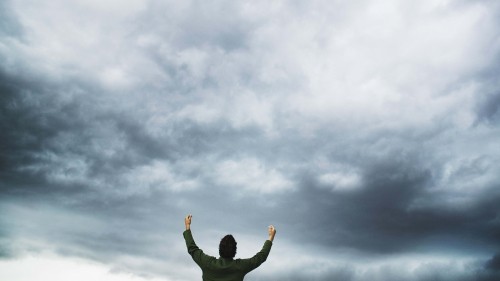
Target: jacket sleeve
(255,261)
(196,253)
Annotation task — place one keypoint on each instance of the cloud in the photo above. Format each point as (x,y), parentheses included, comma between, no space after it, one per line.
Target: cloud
(362,131)
(250,174)
(494,263)
(10,27)
(67,268)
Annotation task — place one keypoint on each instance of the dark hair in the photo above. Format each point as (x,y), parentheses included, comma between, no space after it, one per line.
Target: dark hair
(227,247)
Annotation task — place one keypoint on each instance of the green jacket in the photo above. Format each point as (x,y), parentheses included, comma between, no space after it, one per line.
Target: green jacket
(223,269)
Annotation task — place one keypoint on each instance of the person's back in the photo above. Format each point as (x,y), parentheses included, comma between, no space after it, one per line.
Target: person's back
(225,268)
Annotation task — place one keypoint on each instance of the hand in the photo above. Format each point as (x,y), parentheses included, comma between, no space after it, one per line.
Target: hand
(187,221)
(272,232)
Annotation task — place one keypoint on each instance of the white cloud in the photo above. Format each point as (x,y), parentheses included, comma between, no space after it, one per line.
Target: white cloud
(55,268)
(381,62)
(341,181)
(252,175)
(159,175)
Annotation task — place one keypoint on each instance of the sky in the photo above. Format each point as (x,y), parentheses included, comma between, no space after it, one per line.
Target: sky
(366,132)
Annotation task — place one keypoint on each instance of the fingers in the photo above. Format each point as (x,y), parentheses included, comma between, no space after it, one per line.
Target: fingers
(272,230)
(187,219)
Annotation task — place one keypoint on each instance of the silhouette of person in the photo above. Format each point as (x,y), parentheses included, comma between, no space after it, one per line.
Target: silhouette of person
(225,268)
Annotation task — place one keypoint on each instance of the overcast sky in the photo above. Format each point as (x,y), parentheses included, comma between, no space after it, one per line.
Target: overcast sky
(367,132)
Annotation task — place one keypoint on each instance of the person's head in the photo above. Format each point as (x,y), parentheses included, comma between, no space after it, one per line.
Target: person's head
(227,247)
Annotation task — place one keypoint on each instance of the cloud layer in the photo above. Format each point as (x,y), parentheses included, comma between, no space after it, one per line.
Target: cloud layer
(366,132)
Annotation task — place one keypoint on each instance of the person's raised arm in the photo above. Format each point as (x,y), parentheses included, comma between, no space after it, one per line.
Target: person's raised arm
(255,261)
(196,253)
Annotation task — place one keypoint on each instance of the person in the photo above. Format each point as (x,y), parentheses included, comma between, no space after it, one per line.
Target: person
(225,268)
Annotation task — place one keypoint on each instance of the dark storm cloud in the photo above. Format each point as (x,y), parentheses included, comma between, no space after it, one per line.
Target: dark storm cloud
(211,110)
(36,125)
(432,270)
(383,216)
(397,207)
(23,131)
(493,263)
